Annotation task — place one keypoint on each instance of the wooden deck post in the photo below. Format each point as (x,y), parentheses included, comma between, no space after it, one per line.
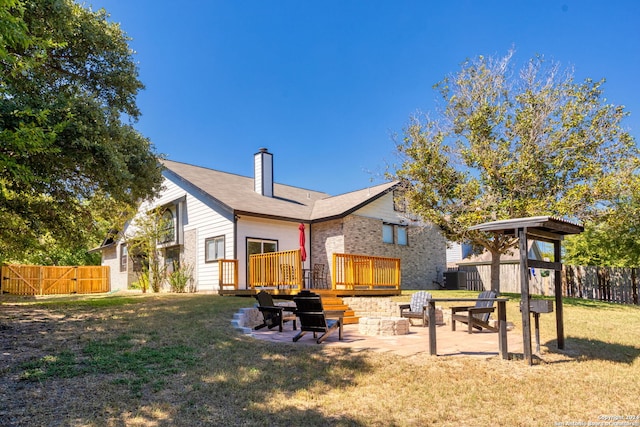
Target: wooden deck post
(431,312)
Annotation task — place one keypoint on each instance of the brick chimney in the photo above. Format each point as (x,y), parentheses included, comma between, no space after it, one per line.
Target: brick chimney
(263,172)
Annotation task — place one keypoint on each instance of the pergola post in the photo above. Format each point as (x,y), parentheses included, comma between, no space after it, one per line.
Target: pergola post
(557,254)
(524,291)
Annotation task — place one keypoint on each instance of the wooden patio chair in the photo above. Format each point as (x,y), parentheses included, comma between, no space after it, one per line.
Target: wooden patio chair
(319,277)
(288,276)
(477,316)
(313,318)
(274,315)
(417,308)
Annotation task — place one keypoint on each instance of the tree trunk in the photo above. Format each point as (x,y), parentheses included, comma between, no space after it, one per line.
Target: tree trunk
(495,271)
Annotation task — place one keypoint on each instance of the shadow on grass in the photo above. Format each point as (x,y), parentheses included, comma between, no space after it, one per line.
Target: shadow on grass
(171,360)
(587,349)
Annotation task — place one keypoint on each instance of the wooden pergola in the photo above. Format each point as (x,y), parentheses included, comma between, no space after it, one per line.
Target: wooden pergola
(545,229)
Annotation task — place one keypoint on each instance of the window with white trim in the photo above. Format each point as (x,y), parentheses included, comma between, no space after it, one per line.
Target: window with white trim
(124,257)
(213,249)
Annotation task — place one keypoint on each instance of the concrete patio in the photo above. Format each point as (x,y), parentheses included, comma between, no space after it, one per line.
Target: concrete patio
(449,343)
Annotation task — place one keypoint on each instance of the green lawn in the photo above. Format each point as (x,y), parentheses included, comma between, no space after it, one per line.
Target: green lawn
(174,360)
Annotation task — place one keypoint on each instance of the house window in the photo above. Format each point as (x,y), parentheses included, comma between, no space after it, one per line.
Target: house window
(213,249)
(399,201)
(124,257)
(168,232)
(387,233)
(402,235)
(258,246)
(397,234)
(172,259)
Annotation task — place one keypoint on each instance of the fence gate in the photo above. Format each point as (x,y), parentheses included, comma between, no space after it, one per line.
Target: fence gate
(52,280)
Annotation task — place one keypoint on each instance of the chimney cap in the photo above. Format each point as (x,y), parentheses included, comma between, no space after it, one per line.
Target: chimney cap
(263,150)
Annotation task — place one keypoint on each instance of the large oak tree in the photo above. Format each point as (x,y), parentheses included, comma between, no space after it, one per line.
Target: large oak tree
(68,151)
(512,143)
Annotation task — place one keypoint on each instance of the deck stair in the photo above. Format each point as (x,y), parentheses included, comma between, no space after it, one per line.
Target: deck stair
(332,302)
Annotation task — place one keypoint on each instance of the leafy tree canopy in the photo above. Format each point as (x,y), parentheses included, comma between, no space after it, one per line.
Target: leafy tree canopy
(515,143)
(67,103)
(612,240)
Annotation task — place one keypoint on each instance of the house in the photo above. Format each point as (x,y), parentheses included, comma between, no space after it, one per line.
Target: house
(457,252)
(478,269)
(218,215)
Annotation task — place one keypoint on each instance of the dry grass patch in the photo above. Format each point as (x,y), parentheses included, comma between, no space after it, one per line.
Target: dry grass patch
(160,360)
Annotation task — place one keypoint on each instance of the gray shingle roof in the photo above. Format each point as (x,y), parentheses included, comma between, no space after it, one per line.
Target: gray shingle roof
(237,193)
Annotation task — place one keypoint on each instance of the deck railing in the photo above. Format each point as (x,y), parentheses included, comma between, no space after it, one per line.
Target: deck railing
(228,273)
(281,270)
(365,272)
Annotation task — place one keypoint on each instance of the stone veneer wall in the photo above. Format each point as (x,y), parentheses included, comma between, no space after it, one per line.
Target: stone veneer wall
(422,258)
(189,253)
(327,238)
(247,318)
(381,307)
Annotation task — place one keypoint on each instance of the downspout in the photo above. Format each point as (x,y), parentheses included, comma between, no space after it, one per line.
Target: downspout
(235,242)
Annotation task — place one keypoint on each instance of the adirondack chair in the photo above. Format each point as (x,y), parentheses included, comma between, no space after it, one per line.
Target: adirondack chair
(417,309)
(477,316)
(313,318)
(274,315)
(319,277)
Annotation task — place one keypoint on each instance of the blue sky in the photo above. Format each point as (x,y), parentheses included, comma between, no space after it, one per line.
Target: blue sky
(325,84)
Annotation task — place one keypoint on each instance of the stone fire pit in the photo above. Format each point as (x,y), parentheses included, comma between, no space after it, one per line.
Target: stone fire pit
(383,326)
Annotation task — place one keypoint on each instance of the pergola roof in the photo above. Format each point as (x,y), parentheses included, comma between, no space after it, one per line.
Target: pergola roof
(547,226)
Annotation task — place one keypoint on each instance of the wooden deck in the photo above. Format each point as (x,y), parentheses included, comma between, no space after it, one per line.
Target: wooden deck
(289,293)
(331,298)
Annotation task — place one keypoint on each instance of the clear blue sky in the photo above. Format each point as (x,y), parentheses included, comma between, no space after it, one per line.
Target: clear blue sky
(324,84)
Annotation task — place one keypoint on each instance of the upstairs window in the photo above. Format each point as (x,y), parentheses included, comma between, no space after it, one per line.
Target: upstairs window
(168,227)
(124,257)
(387,233)
(402,235)
(392,233)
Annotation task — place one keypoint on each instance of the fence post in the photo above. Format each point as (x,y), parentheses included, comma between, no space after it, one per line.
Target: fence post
(634,285)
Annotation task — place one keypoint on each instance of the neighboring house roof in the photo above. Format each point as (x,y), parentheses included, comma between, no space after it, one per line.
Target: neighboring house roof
(511,257)
(236,193)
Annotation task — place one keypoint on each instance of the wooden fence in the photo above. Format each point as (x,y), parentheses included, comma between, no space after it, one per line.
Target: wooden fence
(610,284)
(52,280)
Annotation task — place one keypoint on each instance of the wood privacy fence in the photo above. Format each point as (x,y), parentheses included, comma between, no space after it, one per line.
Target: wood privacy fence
(612,284)
(52,280)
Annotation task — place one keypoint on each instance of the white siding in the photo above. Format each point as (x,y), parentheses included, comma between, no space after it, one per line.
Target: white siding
(382,209)
(205,219)
(454,252)
(286,233)
(201,215)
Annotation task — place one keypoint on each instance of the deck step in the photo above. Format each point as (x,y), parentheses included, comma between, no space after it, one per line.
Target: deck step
(336,303)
